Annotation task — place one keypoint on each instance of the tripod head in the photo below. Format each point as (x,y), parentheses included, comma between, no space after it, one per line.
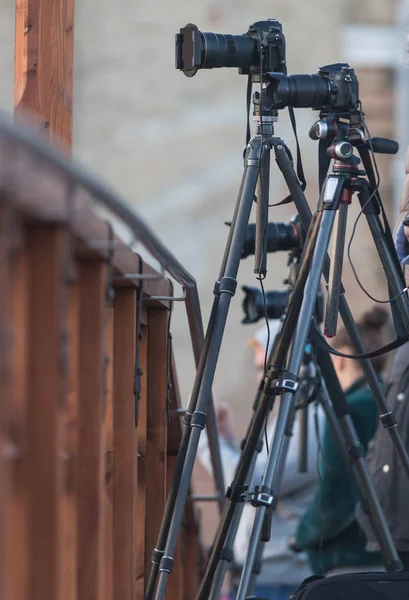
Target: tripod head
(343,135)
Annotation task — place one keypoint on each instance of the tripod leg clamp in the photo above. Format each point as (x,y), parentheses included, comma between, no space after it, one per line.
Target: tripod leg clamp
(228,285)
(236,493)
(287,382)
(356,452)
(388,420)
(262,496)
(157,556)
(166,564)
(198,420)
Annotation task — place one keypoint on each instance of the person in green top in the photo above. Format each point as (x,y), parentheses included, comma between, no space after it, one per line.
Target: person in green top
(328,531)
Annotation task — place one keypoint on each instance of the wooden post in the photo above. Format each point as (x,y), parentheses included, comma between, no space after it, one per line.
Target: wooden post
(125,446)
(90,468)
(158,321)
(43,72)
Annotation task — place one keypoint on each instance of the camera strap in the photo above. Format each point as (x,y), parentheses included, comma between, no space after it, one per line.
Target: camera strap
(324,161)
(318,339)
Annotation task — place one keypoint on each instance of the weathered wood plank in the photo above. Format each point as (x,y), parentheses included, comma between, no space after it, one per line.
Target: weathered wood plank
(68,546)
(109,460)
(47,376)
(16,526)
(142,475)
(125,446)
(157,427)
(90,468)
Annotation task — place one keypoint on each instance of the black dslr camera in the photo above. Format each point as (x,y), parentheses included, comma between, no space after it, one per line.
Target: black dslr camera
(260,50)
(334,88)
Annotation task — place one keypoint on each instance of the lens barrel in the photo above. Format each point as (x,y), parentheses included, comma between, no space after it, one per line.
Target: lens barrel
(219,50)
(253,304)
(280,237)
(299,91)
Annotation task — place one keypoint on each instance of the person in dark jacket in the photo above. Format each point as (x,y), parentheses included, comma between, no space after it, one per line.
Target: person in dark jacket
(328,531)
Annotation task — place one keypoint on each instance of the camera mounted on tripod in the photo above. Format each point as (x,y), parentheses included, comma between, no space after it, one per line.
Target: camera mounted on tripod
(260,50)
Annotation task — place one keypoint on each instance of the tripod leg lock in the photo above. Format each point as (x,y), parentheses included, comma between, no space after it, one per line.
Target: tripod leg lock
(166,564)
(157,556)
(228,285)
(227,554)
(356,452)
(236,493)
(388,420)
(198,419)
(258,447)
(262,496)
(287,382)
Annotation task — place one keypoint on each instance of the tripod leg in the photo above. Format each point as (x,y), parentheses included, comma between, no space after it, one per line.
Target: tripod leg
(226,555)
(387,417)
(357,460)
(288,399)
(159,549)
(226,290)
(394,279)
(278,356)
(260,255)
(335,271)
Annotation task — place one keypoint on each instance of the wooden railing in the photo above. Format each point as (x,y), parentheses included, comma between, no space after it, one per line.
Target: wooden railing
(88,399)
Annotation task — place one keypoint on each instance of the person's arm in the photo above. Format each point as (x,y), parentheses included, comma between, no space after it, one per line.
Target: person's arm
(332,508)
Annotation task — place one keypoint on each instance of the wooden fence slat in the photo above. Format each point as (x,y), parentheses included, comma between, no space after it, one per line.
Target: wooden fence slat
(46,379)
(90,468)
(157,426)
(142,473)
(190,561)
(6,374)
(109,461)
(68,546)
(125,446)
(16,532)
(175,585)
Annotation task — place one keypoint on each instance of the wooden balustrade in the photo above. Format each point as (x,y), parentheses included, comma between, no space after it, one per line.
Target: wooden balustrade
(88,443)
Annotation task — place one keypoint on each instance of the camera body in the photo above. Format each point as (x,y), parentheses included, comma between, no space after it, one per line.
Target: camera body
(260,50)
(334,89)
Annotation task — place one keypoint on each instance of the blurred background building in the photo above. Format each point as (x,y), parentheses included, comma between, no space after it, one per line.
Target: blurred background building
(172,146)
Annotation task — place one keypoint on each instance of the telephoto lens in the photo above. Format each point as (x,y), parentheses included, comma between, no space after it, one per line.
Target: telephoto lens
(207,50)
(253,304)
(280,237)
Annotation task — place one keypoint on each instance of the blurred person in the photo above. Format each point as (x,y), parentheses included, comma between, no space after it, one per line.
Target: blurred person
(390,480)
(328,531)
(282,570)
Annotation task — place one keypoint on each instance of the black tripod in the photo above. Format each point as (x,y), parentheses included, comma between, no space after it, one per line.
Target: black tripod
(277,380)
(336,191)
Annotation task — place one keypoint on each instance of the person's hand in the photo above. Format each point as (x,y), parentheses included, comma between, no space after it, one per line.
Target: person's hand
(223,420)
(402,244)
